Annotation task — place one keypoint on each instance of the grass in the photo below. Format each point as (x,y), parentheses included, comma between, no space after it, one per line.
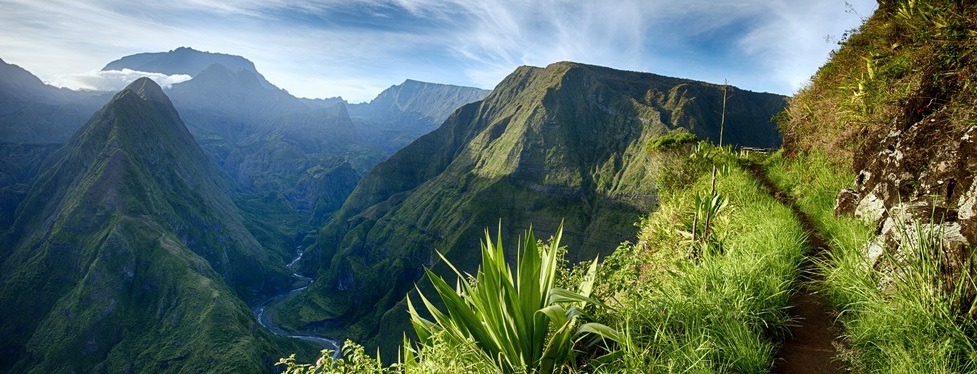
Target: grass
(675,308)
(909,69)
(911,60)
(910,317)
(724,311)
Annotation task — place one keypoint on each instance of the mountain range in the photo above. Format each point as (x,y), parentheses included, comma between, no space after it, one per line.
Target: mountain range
(128,254)
(565,143)
(143,239)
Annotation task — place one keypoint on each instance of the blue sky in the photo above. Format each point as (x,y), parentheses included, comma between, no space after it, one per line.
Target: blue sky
(356,48)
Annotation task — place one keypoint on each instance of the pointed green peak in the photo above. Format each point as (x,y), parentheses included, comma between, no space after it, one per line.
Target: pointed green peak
(146,89)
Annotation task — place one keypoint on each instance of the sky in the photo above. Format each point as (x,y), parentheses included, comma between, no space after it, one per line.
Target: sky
(357,48)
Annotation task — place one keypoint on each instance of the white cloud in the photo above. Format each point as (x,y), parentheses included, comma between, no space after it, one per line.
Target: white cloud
(115,80)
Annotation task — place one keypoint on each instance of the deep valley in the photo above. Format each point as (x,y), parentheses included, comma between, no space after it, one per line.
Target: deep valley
(574,218)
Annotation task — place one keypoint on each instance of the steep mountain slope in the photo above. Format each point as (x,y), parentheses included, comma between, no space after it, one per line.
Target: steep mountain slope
(404,112)
(289,156)
(19,165)
(562,143)
(271,142)
(309,157)
(128,255)
(33,112)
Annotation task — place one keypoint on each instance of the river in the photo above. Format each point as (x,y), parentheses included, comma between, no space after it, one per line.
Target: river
(268,323)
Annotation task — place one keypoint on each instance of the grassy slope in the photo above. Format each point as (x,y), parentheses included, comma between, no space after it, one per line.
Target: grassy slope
(908,70)
(724,312)
(911,59)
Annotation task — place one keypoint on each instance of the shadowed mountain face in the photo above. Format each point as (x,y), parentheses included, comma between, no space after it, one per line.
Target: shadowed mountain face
(404,112)
(129,255)
(562,143)
(33,112)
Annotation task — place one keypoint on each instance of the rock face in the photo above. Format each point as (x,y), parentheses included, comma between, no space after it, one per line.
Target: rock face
(561,143)
(846,202)
(921,182)
(404,112)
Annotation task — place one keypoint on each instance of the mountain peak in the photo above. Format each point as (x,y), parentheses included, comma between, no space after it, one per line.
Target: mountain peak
(141,219)
(148,90)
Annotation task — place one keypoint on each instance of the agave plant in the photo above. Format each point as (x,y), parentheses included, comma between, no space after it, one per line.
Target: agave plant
(517,319)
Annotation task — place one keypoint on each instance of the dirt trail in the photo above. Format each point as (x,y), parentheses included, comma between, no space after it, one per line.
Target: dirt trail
(809,348)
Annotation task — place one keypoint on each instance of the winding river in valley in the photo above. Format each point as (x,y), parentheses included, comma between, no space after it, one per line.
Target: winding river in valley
(268,322)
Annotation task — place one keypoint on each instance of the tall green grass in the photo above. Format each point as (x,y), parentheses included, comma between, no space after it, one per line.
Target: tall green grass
(721,310)
(919,319)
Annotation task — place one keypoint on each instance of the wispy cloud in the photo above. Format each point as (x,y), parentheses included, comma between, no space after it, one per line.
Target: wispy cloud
(115,80)
(354,48)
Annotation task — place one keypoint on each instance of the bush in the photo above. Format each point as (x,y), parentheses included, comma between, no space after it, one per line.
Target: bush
(516,319)
(670,141)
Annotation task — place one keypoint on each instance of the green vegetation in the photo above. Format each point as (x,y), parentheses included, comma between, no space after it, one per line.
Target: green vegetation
(682,308)
(517,319)
(355,360)
(670,141)
(914,318)
(676,307)
(893,104)
(910,60)
(566,142)
(127,254)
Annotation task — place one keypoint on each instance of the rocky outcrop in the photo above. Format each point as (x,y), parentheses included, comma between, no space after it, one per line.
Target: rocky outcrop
(920,184)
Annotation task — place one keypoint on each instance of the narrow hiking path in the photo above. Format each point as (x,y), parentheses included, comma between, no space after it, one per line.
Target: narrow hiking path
(810,347)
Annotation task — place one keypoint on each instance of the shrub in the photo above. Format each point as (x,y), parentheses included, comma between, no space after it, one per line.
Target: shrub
(670,141)
(515,318)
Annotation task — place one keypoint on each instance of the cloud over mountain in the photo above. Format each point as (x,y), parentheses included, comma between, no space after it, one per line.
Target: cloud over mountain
(115,80)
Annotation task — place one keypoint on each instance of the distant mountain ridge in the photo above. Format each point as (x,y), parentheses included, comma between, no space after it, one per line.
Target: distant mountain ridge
(34,112)
(269,141)
(428,100)
(183,60)
(128,255)
(404,112)
(565,142)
